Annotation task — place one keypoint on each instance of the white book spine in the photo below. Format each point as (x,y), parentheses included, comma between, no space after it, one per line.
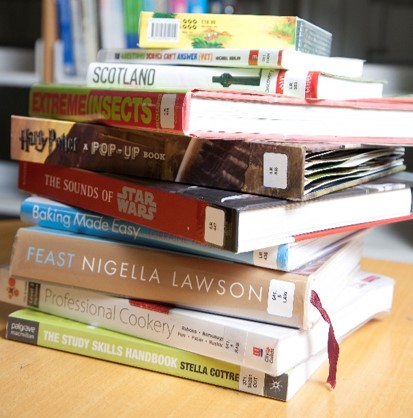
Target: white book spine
(139,76)
(239,58)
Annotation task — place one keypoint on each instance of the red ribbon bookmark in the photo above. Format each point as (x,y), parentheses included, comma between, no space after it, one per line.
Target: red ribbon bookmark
(333,348)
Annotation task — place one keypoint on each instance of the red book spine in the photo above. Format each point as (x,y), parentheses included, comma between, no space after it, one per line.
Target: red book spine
(132,109)
(122,199)
(311,85)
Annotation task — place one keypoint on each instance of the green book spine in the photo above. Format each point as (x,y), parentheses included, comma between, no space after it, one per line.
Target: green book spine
(55,332)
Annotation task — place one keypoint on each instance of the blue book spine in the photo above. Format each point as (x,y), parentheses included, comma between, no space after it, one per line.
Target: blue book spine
(64,18)
(50,214)
(198,6)
(131,11)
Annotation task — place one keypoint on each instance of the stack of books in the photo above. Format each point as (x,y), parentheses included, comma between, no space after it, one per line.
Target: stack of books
(209,234)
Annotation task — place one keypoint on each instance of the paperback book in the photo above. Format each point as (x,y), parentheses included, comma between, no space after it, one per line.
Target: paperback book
(234,221)
(270,349)
(292,171)
(45,330)
(285,257)
(286,59)
(200,283)
(292,83)
(209,30)
(229,114)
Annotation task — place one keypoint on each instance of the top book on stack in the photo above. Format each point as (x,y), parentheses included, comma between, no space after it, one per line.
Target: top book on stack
(193,30)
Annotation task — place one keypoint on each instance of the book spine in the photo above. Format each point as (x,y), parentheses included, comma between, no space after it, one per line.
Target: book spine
(245,58)
(200,333)
(66,36)
(198,6)
(131,201)
(112,29)
(131,10)
(79,41)
(90,24)
(132,109)
(57,333)
(50,214)
(225,31)
(162,156)
(301,84)
(145,76)
(200,283)
(261,58)
(177,6)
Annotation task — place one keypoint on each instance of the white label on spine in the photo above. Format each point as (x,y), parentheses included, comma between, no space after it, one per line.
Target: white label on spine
(214,226)
(266,257)
(281,298)
(275,170)
(252,381)
(295,83)
(167,111)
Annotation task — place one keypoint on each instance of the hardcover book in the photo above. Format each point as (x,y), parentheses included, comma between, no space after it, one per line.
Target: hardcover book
(234,221)
(287,59)
(292,171)
(222,113)
(292,83)
(286,257)
(200,283)
(270,349)
(209,30)
(45,330)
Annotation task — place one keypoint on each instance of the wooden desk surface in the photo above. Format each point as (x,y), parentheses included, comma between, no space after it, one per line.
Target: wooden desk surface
(375,375)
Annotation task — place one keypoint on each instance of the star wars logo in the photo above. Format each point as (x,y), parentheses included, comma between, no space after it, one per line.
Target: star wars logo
(137,202)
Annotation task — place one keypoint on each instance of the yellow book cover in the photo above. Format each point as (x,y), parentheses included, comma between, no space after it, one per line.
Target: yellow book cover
(207,30)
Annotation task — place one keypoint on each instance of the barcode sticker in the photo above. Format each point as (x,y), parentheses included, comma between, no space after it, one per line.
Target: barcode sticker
(164,30)
(214,226)
(275,170)
(281,298)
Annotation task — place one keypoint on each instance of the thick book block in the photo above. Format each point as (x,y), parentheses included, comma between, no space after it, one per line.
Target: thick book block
(285,170)
(230,114)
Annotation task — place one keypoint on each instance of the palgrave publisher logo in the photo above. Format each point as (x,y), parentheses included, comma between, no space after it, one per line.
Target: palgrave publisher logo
(22,330)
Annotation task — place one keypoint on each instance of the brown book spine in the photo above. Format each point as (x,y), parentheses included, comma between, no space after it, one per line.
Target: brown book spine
(138,272)
(261,167)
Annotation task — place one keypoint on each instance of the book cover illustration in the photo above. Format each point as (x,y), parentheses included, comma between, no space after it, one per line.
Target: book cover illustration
(189,30)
